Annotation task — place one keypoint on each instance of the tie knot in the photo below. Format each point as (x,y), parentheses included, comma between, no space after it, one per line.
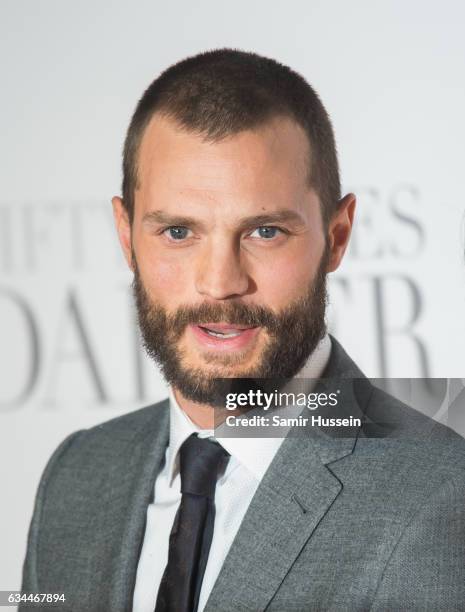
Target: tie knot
(200,462)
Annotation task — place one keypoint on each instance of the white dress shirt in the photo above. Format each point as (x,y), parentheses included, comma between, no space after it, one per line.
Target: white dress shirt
(249,460)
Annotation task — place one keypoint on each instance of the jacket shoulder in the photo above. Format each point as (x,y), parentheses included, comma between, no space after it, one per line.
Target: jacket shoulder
(89,466)
(112,436)
(412,438)
(131,423)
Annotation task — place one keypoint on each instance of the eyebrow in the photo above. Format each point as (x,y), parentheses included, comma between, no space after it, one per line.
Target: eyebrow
(158,216)
(279,216)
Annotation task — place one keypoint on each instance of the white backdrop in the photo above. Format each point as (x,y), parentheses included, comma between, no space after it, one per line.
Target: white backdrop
(391,74)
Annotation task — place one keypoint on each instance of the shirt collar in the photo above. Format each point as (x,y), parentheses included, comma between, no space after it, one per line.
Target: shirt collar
(181,427)
(255,454)
(318,360)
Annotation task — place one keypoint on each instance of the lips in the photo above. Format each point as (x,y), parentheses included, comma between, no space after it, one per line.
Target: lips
(224,336)
(224,328)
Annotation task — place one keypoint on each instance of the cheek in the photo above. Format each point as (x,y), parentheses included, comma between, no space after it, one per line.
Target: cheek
(167,277)
(279,284)
(288,274)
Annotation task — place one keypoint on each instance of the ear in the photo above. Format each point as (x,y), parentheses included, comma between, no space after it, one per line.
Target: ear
(123,227)
(339,230)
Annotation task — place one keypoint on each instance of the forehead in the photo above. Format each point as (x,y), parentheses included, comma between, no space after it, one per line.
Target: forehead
(270,162)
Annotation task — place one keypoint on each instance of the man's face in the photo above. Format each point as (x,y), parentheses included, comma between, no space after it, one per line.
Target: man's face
(229,254)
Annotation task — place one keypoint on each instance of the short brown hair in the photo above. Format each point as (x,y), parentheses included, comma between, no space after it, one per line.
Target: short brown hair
(222,92)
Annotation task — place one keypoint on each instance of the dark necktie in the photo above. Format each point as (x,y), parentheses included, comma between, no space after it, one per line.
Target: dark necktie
(191,535)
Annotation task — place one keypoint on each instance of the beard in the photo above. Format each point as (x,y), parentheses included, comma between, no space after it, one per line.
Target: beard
(292,335)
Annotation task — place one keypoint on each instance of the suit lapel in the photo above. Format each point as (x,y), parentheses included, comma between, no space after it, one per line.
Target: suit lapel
(135,474)
(295,494)
(288,505)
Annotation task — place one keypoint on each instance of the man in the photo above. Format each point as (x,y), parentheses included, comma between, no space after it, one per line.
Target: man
(230,219)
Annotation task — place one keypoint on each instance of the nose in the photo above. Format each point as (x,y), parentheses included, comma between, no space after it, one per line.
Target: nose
(220,272)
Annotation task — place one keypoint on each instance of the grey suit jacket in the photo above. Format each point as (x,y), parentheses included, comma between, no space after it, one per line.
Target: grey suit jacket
(337,523)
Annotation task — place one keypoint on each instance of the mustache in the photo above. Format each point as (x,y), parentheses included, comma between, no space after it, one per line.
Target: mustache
(233,313)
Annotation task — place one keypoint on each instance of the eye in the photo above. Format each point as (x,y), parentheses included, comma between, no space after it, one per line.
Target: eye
(266,231)
(176,232)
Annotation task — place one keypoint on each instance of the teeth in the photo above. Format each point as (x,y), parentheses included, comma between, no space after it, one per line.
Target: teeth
(220,335)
